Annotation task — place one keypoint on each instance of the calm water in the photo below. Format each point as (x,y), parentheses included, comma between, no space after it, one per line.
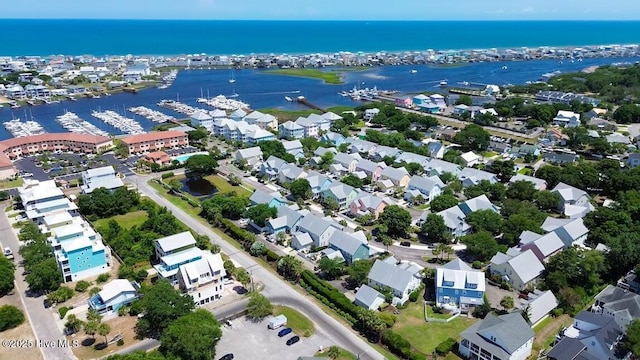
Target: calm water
(169,37)
(198,187)
(262,90)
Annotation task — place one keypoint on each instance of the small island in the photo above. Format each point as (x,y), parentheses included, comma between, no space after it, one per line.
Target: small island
(332,77)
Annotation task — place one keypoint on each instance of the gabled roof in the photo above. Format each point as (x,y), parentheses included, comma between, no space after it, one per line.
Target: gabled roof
(263,197)
(476,175)
(568,192)
(481,202)
(551,223)
(290,125)
(291,145)
(114,288)
(618,300)
(331,116)
(344,159)
(200,116)
(340,190)
(540,304)
(368,165)
(539,183)
(574,229)
(274,163)
(345,242)
(424,183)
(302,238)
(388,274)
(369,201)
(410,157)
(459,275)
(548,244)
(454,217)
(323,150)
(394,173)
(526,265)
(527,237)
(443,166)
(367,295)
(316,225)
(101,171)
(510,332)
(249,152)
(177,241)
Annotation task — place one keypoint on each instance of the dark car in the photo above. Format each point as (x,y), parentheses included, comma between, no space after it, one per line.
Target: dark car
(405,243)
(47,303)
(227,357)
(285,331)
(293,340)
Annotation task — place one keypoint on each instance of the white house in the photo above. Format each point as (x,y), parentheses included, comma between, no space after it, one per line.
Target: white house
(252,156)
(427,187)
(567,118)
(470,158)
(520,271)
(574,203)
(369,114)
(504,337)
(114,295)
(369,298)
(102,177)
(203,278)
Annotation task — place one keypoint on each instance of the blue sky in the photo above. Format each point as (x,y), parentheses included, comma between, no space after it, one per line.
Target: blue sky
(326,9)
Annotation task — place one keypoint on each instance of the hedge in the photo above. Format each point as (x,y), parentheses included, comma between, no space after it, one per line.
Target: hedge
(167,175)
(413,297)
(388,318)
(330,293)
(243,236)
(397,344)
(444,347)
(272,256)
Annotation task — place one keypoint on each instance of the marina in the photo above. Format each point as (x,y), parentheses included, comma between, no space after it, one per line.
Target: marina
(124,124)
(221,102)
(18,128)
(168,79)
(179,107)
(153,115)
(73,123)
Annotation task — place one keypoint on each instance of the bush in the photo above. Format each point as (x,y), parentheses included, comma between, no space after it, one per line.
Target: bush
(417,356)
(103,278)
(120,342)
(141,275)
(61,295)
(10,317)
(82,286)
(557,312)
(94,290)
(62,311)
(415,294)
(167,175)
(444,347)
(126,272)
(123,310)
(505,286)
(397,344)
(476,264)
(388,318)
(272,256)
(330,294)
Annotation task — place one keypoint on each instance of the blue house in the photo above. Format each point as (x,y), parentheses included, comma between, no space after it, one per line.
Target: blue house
(332,138)
(458,286)
(352,246)
(114,295)
(273,199)
(79,251)
(288,217)
(174,251)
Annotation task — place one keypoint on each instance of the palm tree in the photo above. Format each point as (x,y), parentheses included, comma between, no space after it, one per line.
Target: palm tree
(439,250)
(448,249)
(334,352)
(90,328)
(290,267)
(387,241)
(104,329)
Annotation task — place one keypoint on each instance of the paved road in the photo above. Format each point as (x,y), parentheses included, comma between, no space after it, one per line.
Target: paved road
(42,320)
(275,288)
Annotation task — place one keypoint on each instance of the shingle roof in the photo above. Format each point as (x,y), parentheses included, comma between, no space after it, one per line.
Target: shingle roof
(388,274)
(114,288)
(481,202)
(172,242)
(426,184)
(541,305)
(527,266)
(568,192)
(510,332)
(345,242)
(394,173)
(249,152)
(551,223)
(539,183)
(315,225)
(367,295)
(367,165)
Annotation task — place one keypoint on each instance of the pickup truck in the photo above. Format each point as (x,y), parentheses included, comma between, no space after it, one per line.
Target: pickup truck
(8,253)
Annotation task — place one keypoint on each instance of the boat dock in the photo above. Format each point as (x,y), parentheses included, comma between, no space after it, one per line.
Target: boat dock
(124,124)
(180,107)
(18,128)
(72,123)
(302,100)
(223,103)
(155,116)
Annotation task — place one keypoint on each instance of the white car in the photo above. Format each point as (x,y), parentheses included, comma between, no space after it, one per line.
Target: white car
(27,175)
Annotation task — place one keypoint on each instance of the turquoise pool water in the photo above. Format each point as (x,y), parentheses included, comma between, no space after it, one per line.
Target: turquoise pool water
(183,158)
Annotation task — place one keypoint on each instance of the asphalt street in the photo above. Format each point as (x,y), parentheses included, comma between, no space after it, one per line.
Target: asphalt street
(276,289)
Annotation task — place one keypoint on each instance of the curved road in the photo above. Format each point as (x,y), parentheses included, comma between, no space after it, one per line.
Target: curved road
(276,289)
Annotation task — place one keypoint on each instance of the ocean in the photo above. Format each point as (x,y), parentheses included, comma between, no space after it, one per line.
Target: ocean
(170,37)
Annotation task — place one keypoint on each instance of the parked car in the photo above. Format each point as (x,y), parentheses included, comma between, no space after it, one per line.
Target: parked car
(293,340)
(46,303)
(284,332)
(405,243)
(227,357)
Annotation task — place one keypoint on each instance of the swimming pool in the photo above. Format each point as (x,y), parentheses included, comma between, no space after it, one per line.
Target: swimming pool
(183,158)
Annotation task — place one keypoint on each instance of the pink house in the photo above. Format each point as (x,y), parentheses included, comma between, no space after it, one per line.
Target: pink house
(544,247)
(372,169)
(405,102)
(367,204)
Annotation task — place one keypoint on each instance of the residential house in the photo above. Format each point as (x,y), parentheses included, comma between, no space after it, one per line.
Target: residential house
(595,113)
(203,278)
(318,182)
(499,147)
(504,337)
(309,127)
(381,152)
(471,177)
(158,157)
(616,138)
(438,100)
(286,219)
(301,241)
(398,176)
(401,278)
(372,169)
(172,252)
(592,336)
(539,184)
(459,286)
(480,202)
(263,121)
(453,220)
(341,193)
(633,160)
(436,149)
(271,167)
(289,173)
(361,146)
(427,187)
(409,157)
(290,130)
(570,231)
(237,115)
(294,147)
(332,138)
(621,304)
(527,149)
(404,102)
(439,167)
(252,156)
(201,118)
(555,158)
(369,114)
(574,202)
(460,110)
(102,177)
(556,137)
(543,246)
(567,119)
(320,229)
(521,271)
(368,204)
(369,298)
(538,305)
(470,158)
(602,124)
(322,150)
(322,123)
(273,199)
(114,295)
(352,246)
(347,161)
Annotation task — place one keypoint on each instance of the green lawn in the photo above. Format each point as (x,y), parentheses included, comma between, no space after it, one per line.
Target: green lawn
(9,184)
(127,221)
(340,109)
(524,171)
(329,77)
(488,154)
(344,355)
(288,115)
(224,187)
(300,324)
(425,336)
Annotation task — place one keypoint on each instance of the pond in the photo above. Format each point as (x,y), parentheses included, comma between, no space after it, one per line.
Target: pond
(198,187)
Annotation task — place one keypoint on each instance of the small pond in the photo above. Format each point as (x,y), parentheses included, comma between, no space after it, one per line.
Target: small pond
(198,187)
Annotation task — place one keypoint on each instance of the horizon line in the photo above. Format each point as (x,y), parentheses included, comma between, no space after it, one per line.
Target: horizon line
(327,20)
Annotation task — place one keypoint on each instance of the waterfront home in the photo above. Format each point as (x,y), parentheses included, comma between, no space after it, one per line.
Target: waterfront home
(273,199)
(574,203)
(369,114)
(309,127)
(521,271)
(331,116)
(172,252)
(263,121)
(404,102)
(427,187)
(420,99)
(381,152)
(458,286)
(201,118)
(566,119)
(271,167)
(237,115)
(470,158)
(114,295)
(40,198)
(429,107)
(471,177)
(368,204)
(438,100)
(539,304)
(398,176)
(102,177)
(322,123)
(332,138)
(320,229)
(154,141)
(342,194)
(436,149)
(439,167)
(633,160)
(571,231)
(618,303)
(372,169)
(203,278)
(401,278)
(286,220)
(505,337)
(241,131)
(348,161)
(539,184)
(318,182)
(591,336)
(293,147)
(369,298)
(15,92)
(461,109)
(353,247)
(288,173)
(290,130)
(252,156)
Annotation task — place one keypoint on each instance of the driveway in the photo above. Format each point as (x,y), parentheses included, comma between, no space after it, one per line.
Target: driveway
(495,294)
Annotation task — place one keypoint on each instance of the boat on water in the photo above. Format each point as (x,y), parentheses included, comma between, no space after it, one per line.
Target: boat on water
(288,98)
(413,71)
(444,83)
(504,67)
(465,83)
(232,80)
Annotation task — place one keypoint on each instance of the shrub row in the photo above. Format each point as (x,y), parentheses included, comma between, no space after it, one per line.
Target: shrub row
(167,175)
(331,305)
(397,344)
(444,347)
(332,294)
(243,236)
(413,297)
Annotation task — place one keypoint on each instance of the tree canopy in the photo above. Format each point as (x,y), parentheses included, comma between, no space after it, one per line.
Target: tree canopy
(443,202)
(332,268)
(260,213)
(482,245)
(259,306)
(7,275)
(435,229)
(105,203)
(10,317)
(161,304)
(300,189)
(191,337)
(473,138)
(396,219)
(275,148)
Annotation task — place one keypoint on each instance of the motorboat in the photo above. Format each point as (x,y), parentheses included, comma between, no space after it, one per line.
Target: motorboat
(413,71)
(288,98)
(444,83)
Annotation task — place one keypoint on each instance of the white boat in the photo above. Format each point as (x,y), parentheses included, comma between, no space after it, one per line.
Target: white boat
(504,67)
(232,80)
(444,83)
(413,71)
(288,99)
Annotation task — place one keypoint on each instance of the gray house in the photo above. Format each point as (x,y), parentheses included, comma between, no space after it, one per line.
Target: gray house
(320,229)
(506,337)
(400,278)
(369,298)
(352,246)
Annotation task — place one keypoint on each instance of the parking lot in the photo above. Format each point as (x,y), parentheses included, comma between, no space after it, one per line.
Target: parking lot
(246,339)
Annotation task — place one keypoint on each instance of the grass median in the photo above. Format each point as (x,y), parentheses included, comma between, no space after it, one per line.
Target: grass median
(300,324)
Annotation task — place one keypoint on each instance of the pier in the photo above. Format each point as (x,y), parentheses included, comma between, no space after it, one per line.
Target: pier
(302,100)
